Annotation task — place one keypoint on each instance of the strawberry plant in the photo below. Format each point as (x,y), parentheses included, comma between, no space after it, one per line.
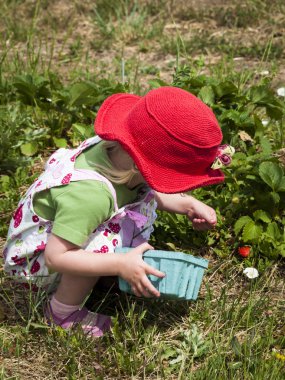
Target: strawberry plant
(45,113)
(251,201)
(265,227)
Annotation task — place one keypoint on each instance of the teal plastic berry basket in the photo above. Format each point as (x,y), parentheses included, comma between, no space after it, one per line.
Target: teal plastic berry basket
(183,278)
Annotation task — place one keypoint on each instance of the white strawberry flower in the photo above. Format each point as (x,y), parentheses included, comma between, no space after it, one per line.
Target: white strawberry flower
(251,272)
(281,91)
(265,122)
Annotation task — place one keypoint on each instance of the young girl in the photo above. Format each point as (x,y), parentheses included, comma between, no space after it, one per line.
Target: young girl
(148,151)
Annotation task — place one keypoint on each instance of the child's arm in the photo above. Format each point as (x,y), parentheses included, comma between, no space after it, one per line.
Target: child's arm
(202,216)
(65,257)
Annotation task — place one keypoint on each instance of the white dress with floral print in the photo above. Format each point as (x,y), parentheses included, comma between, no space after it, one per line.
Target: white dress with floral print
(28,233)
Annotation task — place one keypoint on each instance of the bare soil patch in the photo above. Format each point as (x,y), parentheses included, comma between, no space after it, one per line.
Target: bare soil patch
(70,36)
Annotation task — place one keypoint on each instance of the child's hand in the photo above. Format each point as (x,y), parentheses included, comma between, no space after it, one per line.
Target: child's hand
(202,216)
(134,270)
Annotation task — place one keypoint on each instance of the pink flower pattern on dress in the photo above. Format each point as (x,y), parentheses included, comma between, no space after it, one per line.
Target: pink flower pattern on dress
(19,260)
(40,248)
(35,218)
(114,227)
(103,249)
(18,215)
(66,179)
(35,267)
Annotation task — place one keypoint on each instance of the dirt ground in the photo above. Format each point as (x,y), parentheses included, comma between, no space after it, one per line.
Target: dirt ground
(72,37)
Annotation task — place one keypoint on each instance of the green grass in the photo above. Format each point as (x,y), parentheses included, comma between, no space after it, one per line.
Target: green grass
(235,330)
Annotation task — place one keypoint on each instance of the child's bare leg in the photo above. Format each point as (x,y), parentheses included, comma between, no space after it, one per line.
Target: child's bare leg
(72,290)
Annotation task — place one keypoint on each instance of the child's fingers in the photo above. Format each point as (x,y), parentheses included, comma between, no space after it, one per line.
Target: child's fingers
(196,220)
(136,291)
(148,289)
(151,270)
(202,224)
(142,248)
(144,290)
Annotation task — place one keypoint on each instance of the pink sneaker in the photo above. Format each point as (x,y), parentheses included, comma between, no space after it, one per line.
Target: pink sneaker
(92,323)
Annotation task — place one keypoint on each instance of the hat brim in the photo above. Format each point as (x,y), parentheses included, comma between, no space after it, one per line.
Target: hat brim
(111,124)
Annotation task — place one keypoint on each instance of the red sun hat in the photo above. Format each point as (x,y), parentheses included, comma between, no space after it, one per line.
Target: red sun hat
(171,135)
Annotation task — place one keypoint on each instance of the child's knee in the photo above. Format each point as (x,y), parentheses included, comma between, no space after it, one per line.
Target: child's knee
(50,259)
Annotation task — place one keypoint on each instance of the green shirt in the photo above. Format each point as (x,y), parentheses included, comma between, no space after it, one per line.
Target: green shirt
(79,207)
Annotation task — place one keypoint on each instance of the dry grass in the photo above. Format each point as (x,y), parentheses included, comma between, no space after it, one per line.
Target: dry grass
(72,39)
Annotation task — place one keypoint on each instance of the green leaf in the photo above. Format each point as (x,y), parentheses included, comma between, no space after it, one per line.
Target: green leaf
(259,127)
(240,223)
(207,95)
(251,231)
(259,93)
(59,142)
(275,197)
(156,83)
(271,174)
(265,145)
(225,88)
(262,215)
(82,130)
(168,352)
(171,246)
(273,231)
(275,111)
(176,360)
(281,249)
(29,149)
(82,93)
(39,325)
(251,177)
(281,186)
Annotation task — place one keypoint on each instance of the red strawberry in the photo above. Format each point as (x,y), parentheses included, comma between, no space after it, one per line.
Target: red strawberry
(244,251)
(115,242)
(114,227)
(18,215)
(35,267)
(66,179)
(35,218)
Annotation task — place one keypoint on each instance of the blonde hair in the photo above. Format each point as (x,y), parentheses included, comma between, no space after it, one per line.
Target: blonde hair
(114,174)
